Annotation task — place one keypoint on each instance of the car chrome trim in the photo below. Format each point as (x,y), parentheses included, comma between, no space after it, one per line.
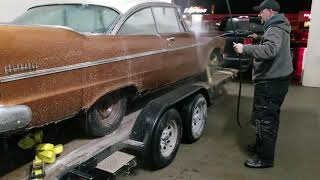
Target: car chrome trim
(10,69)
(39,25)
(49,71)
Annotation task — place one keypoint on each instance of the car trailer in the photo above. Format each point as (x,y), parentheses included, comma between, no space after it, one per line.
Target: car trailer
(152,133)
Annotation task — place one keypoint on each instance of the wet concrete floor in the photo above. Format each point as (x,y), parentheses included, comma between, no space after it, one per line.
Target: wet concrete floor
(220,153)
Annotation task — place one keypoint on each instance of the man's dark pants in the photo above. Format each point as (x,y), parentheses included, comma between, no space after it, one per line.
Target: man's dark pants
(268,98)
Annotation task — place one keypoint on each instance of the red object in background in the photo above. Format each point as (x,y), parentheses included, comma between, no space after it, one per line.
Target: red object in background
(299,41)
(297,63)
(247,41)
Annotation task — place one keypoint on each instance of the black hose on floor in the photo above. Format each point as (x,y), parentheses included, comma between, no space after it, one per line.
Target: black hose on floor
(239,60)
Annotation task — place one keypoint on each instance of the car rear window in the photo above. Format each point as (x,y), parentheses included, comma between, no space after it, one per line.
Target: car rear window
(82,18)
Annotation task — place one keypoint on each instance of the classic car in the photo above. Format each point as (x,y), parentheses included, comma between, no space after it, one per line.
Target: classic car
(60,59)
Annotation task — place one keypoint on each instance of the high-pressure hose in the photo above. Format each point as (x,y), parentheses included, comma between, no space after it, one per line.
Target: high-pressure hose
(240,76)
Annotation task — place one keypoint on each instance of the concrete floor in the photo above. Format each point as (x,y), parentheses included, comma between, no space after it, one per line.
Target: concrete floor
(220,153)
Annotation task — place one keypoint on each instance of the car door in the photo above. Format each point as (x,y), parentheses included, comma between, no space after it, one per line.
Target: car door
(143,48)
(180,58)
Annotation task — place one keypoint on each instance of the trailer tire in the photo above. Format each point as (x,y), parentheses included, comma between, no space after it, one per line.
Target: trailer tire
(166,139)
(194,115)
(106,115)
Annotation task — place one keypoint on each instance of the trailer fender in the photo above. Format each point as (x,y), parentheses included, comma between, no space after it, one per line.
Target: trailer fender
(150,115)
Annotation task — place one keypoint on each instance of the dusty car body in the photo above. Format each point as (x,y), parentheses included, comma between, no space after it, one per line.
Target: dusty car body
(53,69)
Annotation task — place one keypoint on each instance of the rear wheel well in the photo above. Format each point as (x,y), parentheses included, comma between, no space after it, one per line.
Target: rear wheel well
(130,92)
(106,114)
(215,54)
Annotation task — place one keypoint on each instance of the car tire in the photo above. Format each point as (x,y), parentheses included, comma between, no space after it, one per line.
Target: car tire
(166,139)
(194,119)
(106,115)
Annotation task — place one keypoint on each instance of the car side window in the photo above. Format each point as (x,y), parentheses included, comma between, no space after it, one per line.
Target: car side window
(181,26)
(92,19)
(166,20)
(52,16)
(108,17)
(80,17)
(140,23)
(181,21)
(77,16)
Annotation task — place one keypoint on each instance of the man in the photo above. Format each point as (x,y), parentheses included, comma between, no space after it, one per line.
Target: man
(272,68)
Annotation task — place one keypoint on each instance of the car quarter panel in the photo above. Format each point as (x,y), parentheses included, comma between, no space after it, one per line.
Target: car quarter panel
(35,63)
(208,45)
(146,54)
(130,60)
(180,59)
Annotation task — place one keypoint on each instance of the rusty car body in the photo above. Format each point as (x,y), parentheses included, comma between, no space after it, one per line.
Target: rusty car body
(60,59)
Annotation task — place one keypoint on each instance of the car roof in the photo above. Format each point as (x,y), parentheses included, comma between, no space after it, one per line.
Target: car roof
(122,5)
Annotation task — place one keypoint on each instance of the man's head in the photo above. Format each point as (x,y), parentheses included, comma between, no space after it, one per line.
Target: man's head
(267,9)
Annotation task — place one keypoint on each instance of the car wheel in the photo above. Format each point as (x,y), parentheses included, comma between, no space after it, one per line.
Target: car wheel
(194,118)
(106,115)
(166,139)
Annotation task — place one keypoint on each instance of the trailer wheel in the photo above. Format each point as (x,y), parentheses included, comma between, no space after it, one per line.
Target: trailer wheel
(166,139)
(106,115)
(194,118)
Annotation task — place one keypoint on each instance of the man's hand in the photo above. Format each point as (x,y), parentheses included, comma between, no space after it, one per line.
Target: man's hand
(238,47)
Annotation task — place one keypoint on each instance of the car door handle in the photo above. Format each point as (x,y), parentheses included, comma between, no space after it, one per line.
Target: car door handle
(170,39)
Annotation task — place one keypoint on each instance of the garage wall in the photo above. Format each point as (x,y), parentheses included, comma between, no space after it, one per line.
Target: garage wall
(10,9)
(311,74)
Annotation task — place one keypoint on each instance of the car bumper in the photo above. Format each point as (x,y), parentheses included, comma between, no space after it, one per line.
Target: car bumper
(13,118)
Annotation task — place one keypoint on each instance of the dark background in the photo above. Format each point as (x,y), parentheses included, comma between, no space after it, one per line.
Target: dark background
(245,6)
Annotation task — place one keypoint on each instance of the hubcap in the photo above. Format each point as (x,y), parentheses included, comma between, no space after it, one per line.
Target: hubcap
(109,110)
(199,116)
(106,111)
(169,138)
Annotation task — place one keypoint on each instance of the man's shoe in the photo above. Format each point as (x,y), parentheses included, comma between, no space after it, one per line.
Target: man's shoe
(258,163)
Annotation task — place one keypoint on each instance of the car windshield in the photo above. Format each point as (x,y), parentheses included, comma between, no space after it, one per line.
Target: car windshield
(80,17)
